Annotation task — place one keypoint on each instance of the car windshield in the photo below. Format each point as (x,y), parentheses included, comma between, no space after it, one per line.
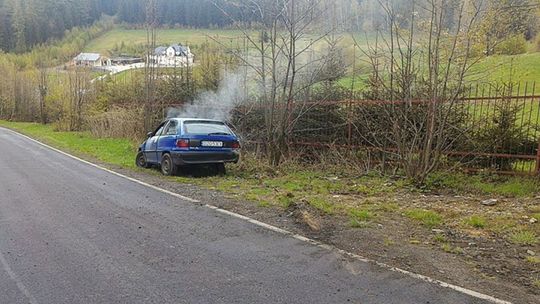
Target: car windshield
(206,128)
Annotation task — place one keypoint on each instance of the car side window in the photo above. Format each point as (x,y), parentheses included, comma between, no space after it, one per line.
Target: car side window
(159,129)
(171,128)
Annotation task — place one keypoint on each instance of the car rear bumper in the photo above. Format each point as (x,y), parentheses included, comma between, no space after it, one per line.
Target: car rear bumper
(204,157)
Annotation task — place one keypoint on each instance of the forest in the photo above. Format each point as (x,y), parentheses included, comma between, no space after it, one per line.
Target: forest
(25,23)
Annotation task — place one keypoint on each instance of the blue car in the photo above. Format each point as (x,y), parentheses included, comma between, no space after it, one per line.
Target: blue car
(179,142)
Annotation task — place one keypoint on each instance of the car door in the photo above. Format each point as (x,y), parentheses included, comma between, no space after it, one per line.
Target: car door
(150,148)
(167,140)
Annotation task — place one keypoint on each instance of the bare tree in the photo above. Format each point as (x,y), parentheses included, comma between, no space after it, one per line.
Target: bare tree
(419,71)
(43,90)
(79,95)
(283,63)
(150,69)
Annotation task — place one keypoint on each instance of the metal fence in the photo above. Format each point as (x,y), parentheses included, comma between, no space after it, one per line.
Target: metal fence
(499,129)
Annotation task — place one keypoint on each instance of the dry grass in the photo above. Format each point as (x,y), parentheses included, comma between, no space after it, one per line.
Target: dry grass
(117,123)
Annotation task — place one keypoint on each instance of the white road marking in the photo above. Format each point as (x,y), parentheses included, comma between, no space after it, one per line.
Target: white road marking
(17,281)
(460,289)
(107,170)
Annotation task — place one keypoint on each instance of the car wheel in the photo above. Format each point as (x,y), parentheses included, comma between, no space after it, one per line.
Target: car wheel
(220,169)
(140,160)
(168,168)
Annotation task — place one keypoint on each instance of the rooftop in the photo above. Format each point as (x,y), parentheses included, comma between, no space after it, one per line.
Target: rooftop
(87,57)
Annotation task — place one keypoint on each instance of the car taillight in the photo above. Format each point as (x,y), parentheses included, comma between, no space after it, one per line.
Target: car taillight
(235,145)
(182,143)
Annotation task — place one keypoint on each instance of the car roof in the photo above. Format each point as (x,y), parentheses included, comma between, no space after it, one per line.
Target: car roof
(182,120)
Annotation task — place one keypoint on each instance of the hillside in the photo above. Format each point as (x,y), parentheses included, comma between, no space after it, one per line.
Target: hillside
(133,38)
(524,68)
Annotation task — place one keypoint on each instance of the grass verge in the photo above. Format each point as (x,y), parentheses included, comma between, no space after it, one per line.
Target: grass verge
(120,152)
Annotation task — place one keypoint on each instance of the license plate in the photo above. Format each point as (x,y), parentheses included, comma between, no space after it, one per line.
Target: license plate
(216,144)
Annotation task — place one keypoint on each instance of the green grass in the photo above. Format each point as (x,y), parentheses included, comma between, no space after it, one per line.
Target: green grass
(105,43)
(491,185)
(503,224)
(386,207)
(358,216)
(427,218)
(119,152)
(503,69)
(322,204)
(228,37)
(357,83)
(524,237)
(439,238)
(286,200)
(476,221)
(451,249)
(533,259)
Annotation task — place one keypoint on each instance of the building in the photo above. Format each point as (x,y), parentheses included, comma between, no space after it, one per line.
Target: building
(88,60)
(173,56)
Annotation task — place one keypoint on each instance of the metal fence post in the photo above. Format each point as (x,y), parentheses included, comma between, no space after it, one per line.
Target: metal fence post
(538,158)
(349,124)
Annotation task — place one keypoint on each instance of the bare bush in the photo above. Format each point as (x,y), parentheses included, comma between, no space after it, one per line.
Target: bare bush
(117,123)
(285,63)
(420,73)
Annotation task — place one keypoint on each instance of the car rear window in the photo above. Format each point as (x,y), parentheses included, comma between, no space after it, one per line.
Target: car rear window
(206,128)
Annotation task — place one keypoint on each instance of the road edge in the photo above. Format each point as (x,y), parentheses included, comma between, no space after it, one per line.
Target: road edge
(421,277)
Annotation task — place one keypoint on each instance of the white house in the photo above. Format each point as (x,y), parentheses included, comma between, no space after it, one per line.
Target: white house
(173,56)
(88,60)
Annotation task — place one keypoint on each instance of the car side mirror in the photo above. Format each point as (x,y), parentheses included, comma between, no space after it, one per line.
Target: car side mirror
(149,134)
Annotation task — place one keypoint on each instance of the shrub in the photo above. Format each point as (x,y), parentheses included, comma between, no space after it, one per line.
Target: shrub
(117,123)
(514,45)
(324,119)
(503,133)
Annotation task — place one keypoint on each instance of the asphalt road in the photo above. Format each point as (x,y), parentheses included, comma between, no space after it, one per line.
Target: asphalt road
(71,233)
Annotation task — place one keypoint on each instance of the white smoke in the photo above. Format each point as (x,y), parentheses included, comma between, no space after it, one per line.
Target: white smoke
(215,105)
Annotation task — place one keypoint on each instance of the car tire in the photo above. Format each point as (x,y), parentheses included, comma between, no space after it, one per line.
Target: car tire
(221,169)
(140,161)
(168,168)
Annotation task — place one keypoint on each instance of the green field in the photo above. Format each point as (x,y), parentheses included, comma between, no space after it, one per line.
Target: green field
(106,42)
(193,37)
(523,69)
